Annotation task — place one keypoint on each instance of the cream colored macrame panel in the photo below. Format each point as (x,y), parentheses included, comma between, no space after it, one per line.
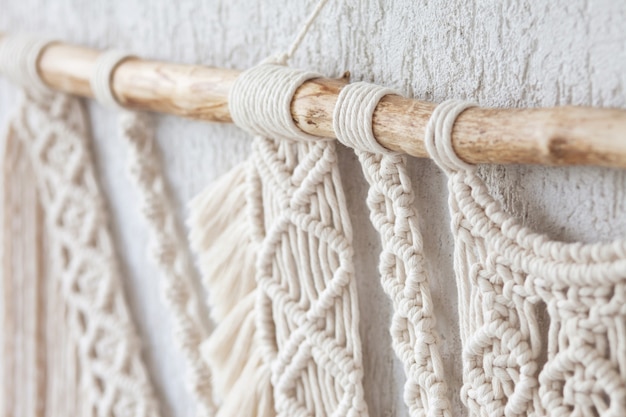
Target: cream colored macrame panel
(307,311)
(506,276)
(82,262)
(402,265)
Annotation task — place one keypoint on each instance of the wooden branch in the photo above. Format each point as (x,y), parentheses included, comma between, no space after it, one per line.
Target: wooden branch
(549,136)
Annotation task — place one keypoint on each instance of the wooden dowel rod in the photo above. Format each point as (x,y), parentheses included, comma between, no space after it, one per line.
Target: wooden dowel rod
(548,136)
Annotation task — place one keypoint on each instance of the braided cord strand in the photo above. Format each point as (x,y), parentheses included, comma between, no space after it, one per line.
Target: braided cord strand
(402,264)
(170,252)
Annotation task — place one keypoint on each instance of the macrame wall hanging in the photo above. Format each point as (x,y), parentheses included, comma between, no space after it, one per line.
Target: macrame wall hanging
(273,243)
(73,349)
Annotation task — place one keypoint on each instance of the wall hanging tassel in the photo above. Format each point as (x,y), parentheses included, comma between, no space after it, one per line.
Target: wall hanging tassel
(221,237)
(87,359)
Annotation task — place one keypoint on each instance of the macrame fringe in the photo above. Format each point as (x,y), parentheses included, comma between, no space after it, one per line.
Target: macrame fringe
(221,239)
(219,236)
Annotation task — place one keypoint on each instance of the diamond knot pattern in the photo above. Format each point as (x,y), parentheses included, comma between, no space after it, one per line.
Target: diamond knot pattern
(112,375)
(307,312)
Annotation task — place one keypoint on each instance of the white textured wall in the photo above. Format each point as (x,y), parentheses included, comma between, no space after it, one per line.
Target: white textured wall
(500,53)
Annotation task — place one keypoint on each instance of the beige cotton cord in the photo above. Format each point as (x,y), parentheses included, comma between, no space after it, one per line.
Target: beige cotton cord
(102,77)
(505,274)
(169,250)
(20,56)
(260,101)
(353,113)
(438,135)
(101,372)
(402,267)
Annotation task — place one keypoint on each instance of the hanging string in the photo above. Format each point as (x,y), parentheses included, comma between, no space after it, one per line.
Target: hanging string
(260,99)
(283,58)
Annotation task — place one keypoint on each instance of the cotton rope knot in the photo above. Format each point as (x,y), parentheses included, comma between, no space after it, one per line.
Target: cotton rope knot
(438,137)
(102,76)
(260,101)
(352,117)
(19,58)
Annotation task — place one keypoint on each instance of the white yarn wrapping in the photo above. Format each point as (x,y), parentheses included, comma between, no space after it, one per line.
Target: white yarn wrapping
(106,364)
(505,273)
(402,265)
(102,76)
(170,252)
(352,117)
(20,57)
(260,101)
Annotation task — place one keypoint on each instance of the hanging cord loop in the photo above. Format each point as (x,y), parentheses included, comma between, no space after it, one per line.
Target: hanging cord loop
(260,100)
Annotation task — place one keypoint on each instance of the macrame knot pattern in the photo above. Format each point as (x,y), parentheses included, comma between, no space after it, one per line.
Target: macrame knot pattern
(403,274)
(438,137)
(101,78)
(352,118)
(509,280)
(93,351)
(19,57)
(167,246)
(260,101)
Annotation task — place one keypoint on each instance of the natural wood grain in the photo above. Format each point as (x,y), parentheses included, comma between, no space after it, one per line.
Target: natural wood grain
(550,136)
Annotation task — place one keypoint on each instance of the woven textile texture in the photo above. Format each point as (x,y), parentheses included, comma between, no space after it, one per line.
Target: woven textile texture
(507,278)
(307,307)
(101,355)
